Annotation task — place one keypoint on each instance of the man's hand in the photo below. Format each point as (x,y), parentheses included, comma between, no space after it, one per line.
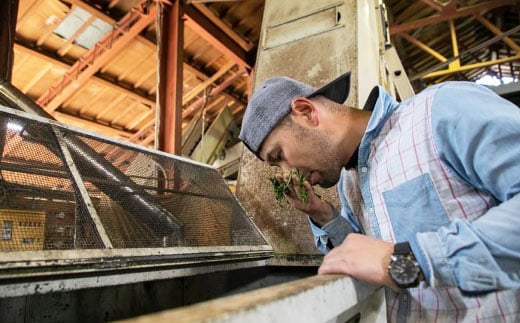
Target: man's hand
(319,210)
(362,257)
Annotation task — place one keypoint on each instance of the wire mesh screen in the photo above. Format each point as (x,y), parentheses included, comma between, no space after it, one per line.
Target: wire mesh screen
(65,189)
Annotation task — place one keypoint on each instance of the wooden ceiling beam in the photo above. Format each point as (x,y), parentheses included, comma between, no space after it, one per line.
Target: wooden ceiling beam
(102,16)
(244,44)
(120,98)
(31,52)
(134,123)
(202,86)
(138,62)
(446,15)
(91,125)
(194,107)
(48,30)
(23,17)
(208,30)
(129,27)
(38,75)
(93,11)
(97,98)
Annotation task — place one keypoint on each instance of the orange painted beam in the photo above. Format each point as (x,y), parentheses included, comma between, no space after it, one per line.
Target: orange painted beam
(170,79)
(8,13)
(448,14)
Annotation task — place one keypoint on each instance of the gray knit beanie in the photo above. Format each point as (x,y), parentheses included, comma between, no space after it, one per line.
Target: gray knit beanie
(271,102)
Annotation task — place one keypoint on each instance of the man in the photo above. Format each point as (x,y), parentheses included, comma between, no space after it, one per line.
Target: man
(428,188)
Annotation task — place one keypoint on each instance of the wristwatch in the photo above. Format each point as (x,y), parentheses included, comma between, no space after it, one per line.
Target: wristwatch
(403,268)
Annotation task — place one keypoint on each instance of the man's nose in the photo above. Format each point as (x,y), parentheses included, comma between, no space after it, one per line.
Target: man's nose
(284,165)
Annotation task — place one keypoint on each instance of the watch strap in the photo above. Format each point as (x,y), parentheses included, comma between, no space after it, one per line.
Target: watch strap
(403,248)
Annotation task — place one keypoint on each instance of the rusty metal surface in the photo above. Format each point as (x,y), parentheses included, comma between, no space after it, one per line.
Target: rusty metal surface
(323,52)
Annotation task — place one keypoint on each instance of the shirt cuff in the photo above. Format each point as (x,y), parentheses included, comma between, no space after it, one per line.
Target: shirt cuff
(335,230)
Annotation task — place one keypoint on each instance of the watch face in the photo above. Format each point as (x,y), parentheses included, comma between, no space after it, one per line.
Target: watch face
(403,270)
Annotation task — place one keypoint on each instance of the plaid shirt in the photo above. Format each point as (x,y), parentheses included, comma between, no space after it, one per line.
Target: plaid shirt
(444,174)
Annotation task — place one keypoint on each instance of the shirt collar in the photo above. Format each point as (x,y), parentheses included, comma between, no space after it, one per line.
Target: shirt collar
(369,106)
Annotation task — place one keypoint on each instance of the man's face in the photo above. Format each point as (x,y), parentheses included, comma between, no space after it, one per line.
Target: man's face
(312,151)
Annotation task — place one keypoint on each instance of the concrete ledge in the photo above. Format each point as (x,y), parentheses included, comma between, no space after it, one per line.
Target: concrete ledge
(323,298)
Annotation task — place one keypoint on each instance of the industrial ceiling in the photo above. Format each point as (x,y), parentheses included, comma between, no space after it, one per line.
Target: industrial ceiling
(94,63)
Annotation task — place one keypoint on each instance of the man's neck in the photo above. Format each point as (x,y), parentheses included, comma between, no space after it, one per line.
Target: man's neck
(353,161)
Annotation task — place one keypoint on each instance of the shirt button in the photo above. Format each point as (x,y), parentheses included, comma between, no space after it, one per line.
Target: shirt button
(371,210)
(364,169)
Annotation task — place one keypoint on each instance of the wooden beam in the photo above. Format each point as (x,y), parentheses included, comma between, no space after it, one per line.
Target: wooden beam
(104,83)
(38,75)
(23,17)
(94,100)
(193,108)
(202,86)
(110,106)
(204,27)
(93,11)
(246,45)
(445,16)
(134,123)
(135,20)
(91,125)
(123,113)
(48,31)
(130,68)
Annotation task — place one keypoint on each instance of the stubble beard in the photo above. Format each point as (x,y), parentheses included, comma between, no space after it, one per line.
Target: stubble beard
(326,156)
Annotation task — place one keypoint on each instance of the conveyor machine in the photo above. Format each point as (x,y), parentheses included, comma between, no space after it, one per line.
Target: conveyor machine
(81,211)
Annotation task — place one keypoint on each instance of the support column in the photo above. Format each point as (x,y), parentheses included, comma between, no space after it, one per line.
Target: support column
(8,13)
(169,126)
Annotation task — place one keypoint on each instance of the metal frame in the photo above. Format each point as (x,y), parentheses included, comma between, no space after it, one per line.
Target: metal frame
(40,272)
(45,271)
(85,198)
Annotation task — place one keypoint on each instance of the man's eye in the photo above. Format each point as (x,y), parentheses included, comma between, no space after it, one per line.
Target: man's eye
(274,158)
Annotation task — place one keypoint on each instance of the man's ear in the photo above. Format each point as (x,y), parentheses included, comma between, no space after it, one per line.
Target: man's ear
(304,110)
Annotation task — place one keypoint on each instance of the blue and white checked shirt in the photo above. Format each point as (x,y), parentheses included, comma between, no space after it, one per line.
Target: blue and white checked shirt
(442,171)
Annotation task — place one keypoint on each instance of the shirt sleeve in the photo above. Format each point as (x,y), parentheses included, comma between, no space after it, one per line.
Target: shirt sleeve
(336,230)
(477,135)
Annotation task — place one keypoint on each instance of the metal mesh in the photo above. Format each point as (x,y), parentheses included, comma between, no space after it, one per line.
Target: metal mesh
(64,189)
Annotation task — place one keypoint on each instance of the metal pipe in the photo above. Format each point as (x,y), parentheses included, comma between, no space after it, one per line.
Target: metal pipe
(134,200)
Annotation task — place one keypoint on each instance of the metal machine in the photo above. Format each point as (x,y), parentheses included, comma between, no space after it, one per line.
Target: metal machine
(73,203)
